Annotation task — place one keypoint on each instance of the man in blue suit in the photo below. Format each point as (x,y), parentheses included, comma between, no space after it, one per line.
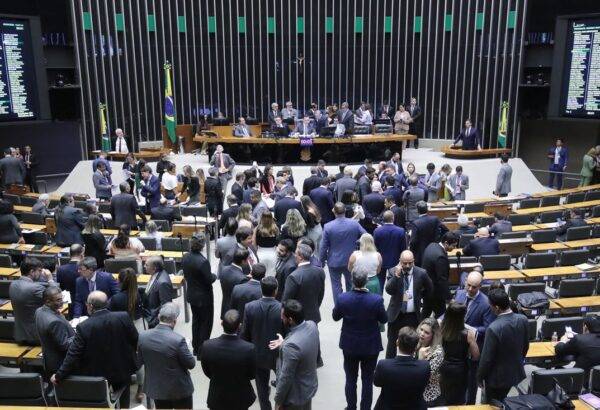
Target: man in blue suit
(424,230)
(558,156)
(390,241)
(150,188)
(67,273)
(482,244)
(479,315)
(91,279)
(392,190)
(323,199)
(471,139)
(338,243)
(360,339)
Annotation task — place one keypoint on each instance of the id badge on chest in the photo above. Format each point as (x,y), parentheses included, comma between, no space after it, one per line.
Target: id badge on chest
(407,297)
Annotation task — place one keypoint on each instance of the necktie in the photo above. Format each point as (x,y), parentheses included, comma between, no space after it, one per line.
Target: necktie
(469,300)
(221,164)
(91,286)
(278,264)
(405,289)
(468,131)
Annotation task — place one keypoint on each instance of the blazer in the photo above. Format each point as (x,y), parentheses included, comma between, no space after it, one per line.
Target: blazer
(241,130)
(399,215)
(101,161)
(415,113)
(230,276)
(102,185)
(410,198)
(482,246)
(273,115)
(503,180)
(362,312)
(402,380)
(159,293)
(228,162)
(151,191)
(12,170)
(214,195)
(104,282)
(397,167)
(342,185)
(307,285)
(282,271)
(167,360)
(40,208)
(199,279)
(464,185)
(500,227)
(238,191)
(563,157)
(225,245)
(243,293)
(282,206)
(395,193)
(56,334)
(479,313)
(66,276)
(323,199)
(230,363)
(297,381)
(390,241)
(339,241)
(95,245)
(394,286)
(164,212)
(227,259)
(310,183)
(435,262)
(69,223)
(346,118)
(434,184)
(586,349)
(363,187)
(373,205)
(26,297)
(504,350)
(261,323)
(104,345)
(10,231)
(304,130)
(425,230)
(123,210)
(320,124)
(470,140)
(280,131)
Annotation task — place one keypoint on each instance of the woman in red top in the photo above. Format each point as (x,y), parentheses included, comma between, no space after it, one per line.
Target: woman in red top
(267,180)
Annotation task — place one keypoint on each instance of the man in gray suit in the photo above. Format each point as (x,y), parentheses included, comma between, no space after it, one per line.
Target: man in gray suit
(305,128)
(41,206)
(101,182)
(224,165)
(410,198)
(159,289)
(167,360)
(241,129)
(346,183)
(297,380)
(503,187)
(12,169)
(459,183)
(124,207)
(55,332)
(433,182)
(26,296)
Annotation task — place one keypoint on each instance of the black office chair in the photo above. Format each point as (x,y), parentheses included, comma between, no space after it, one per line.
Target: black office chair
(170,266)
(550,217)
(596,211)
(519,219)
(361,129)
(539,260)
(198,211)
(544,380)
(463,259)
(5,261)
(86,391)
(63,260)
(22,389)
(578,232)
(550,201)
(495,262)
(596,231)
(175,244)
(13,199)
(162,225)
(36,238)
(104,207)
(383,129)
(558,324)
(471,208)
(515,289)
(532,329)
(487,221)
(33,218)
(149,243)
(543,236)
(513,235)
(47,260)
(575,197)
(28,200)
(465,238)
(574,257)
(592,196)
(594,381)
(4,286)
(7,329)
(115,265)
(572,288)
(529,203)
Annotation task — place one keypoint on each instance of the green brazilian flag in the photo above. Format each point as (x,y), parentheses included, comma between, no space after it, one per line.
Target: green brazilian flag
(503,125)
(169,105)
(104,129)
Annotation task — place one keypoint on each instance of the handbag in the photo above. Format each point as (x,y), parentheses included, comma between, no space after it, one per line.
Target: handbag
(525,402)
(559,398)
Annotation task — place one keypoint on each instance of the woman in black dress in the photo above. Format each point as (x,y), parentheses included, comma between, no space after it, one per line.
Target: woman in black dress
(94,240)
(459,345)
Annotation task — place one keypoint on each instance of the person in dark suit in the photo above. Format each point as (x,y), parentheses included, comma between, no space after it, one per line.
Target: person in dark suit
(243,237)
(406,285)
(482,244)
(390,241)
(214,193)
(237,187)
(402,378)
(504,349)
(232,275)
(374,203)
(360,339)
(584,347)
(69,222)
(285,265)
(124,207)
(312,182)
(261,324)
(391,190)
(399,212)
(67,274)
(321,121)
(150,188)
(463,226)
(343,184)
(31,165)
(55,332)
(575,219)
(248,291)
(252,185)
(167,361)
(199,279)
(306,284)
(229,390)
(279,129)
(285,204)
(416,124)
(558,157)
(345,116)
(231,212)
(423,231)
(436,264)
(500,226)
(41,206)
(12,170)
(101,183)
(364,183)
(321,171)
(470,136)
(89,280)
(385,112)
(104,345)
(165,212)
(159,289)
(323,199)
(274,113)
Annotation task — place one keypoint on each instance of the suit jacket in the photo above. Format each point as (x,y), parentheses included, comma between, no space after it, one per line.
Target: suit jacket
(66,276)
(482,246)
(230,276)
(167,360)
(159,293)
(397,166)
(199,279)
(346,118)
(586,349)
(12,170)
(165,213)
(242,130)
(500,227)
(297,374)
(310,183)
(410,198)
(396,194)
(123,210)
(228,162)
(563,157)
(503,180)
(479,313)
(227,259)
(238,191)
(362,312)
(69,224)
(323,199)
(342,185)
(26,297)
(104,345)
(214,195)
(244,293)
(415,113)
(289,113)
(280,131)
(304,130)
(307,285)
(55,334)
(40,208)
(104,282)
(504,350)
(571,223)
(320,124)
(399,216)
(435,262)
(339,241)
(402,380)
(434,185)
(390,241)
(364,187)
(230,363)
(471,140)
(247,194)
(225,246)
(273,115)
(151,191)
(230,212)
(373,205)
(282,206)
(101,161)
(425,230)
(261,323)
(395,287)
(282,271)
(102,185)
(464,185)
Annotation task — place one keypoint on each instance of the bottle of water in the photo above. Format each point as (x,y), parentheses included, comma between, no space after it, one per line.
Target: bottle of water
(554,337)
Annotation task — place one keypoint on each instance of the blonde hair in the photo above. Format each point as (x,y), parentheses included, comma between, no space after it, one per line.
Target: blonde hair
(267,226)
(436,332)
(245,212)
(295,223)
(367,243)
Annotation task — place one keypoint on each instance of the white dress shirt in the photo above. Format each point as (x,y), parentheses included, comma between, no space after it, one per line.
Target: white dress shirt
(121,145)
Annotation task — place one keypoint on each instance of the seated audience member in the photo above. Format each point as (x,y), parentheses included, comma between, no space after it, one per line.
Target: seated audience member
(403,379)
(501,225)
(585,347)
(482,244)
(10,231)
(26,295)
(159,289)
(305,128)
(94,240)
(430,349)
(279,129)
(41,206)
(153,232)
(165,212)
(123,246)
(69,222)
(91,279)
(463,225)
(575,219)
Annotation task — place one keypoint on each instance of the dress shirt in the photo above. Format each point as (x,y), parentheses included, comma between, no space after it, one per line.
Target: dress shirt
(557,155)
(169,181)
(410,304)
(92,283)
(458,187)
(151,282)
(121,145)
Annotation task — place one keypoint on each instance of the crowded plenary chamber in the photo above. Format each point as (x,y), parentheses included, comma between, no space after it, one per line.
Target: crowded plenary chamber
(300,204)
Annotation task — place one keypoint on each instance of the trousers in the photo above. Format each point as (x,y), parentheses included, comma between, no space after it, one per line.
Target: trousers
(367,365)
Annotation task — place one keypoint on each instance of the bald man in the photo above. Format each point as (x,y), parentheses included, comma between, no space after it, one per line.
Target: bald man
(479,315)
(406,285)
(482,244)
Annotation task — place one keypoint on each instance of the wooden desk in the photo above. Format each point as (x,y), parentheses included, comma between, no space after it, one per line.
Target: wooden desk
(525,228)
(503,275)
(516,246)
(540,350)
(187,230)
(451,152)
(32,227)
(12,352)
(581,303)
(24,247)
(551,246)
(164,254)
(454,274)
(585,204)
(442,213)
(353,139)
(22,208)
(547,273)
(583,242)
(539,210)
(549,225)
(567,191)
(593,221)
(116,231)
(143,280)
(7,272)
(32,356)
(472,215)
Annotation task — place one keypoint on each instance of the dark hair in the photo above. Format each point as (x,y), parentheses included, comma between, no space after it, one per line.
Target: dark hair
(30,264)
(422,207)
(231,321)
(288,244)
(408,339)
(268,286)
(348,197)
(242,233)
(292,309)
(122,239)
(430,166)
(128,281)
(240,255)
(450,238)
(390,180)
(499,298)
(305,240)
(258,271)
(239,176)
(504,158)
(454,321)
(89,262)
(339,209)
(76,250)
(146,168)
(251,181)
(231,226)
(197,242)
(592,323)
(458,168)
(123,186)
(53,290)
(6,207)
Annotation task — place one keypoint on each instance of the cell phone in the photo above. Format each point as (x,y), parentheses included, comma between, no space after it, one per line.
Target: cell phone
(569,331)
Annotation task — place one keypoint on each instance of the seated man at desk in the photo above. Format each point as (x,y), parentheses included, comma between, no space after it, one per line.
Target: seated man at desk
(241,129)
(279,129)
(575,219)
(471,140)
(501,225)
(289,112)
(304,128)
(584,347)
(482,244)
(321,121)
